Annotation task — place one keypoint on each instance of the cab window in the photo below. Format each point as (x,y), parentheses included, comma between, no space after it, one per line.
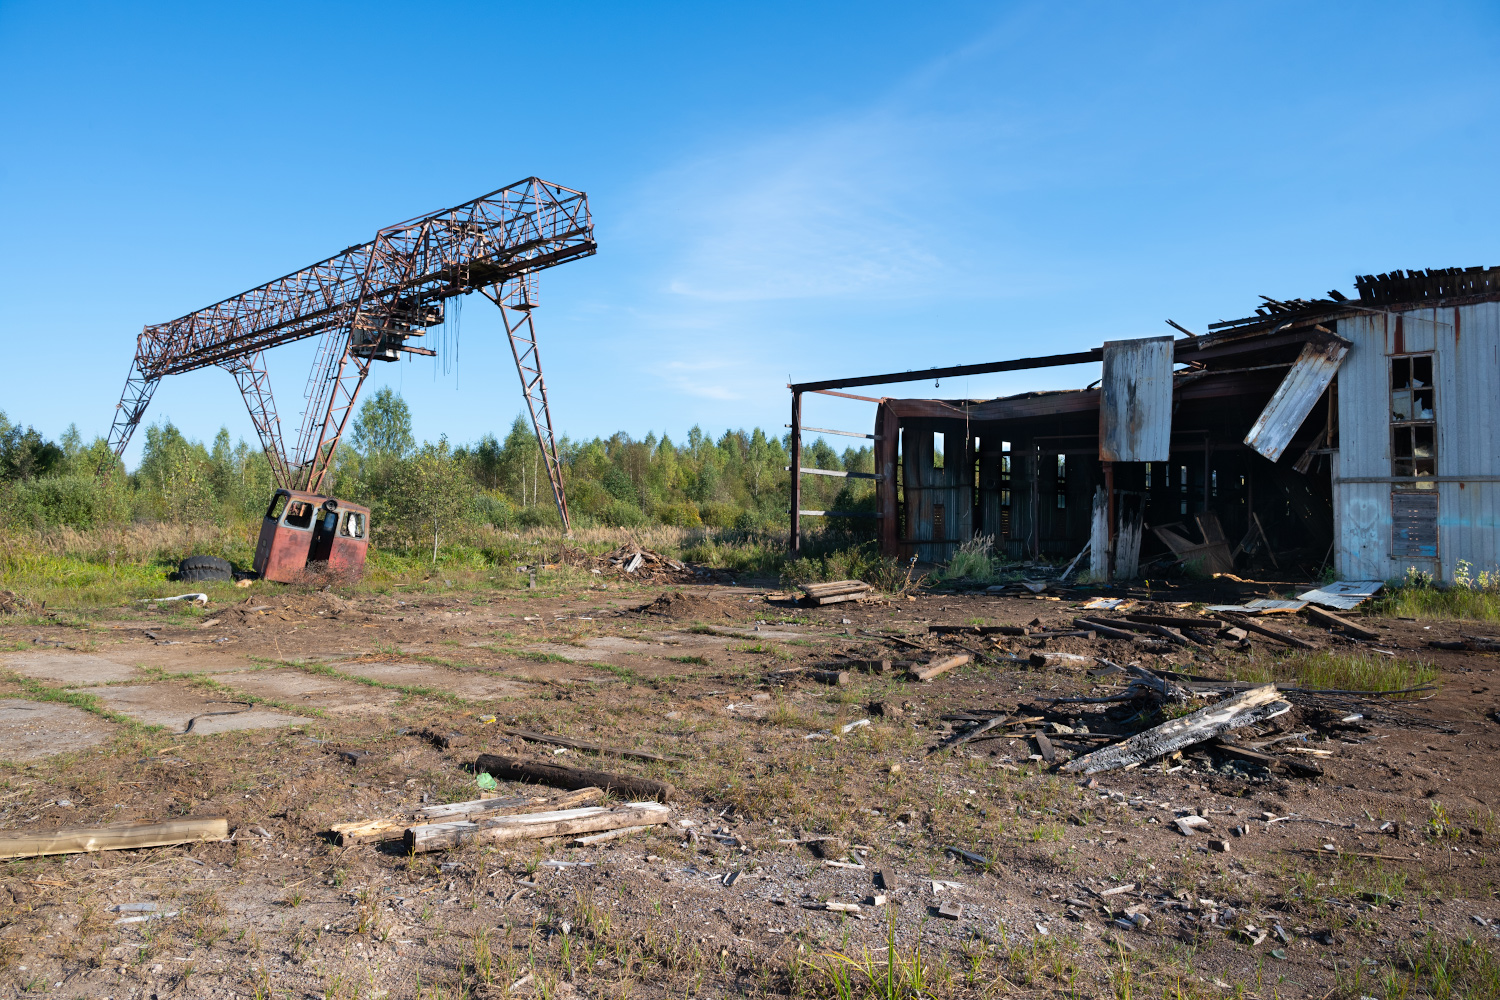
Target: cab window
(354,525)
(299,514)
(278,504)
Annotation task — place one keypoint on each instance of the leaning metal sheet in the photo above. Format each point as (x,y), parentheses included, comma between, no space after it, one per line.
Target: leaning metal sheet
(1295,397)
(1135,401)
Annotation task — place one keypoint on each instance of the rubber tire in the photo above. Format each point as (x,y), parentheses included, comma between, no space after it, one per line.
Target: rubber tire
(202,568)
(205,562)
(204,574)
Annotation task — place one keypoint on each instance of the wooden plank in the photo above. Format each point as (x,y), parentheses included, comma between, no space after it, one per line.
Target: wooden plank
(368,831)
(570,800)
(1106,631)
(572,744)
(1332,620)
(1250,626)
(533,826)
(1243,709)
(562,776)
(938,667)
(86,840)
(1175,622)
(979,630)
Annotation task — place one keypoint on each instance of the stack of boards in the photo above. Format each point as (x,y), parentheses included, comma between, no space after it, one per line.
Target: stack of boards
(836,592)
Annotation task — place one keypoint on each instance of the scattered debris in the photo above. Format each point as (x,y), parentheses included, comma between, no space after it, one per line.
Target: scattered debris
(1345,596)
(1243,709)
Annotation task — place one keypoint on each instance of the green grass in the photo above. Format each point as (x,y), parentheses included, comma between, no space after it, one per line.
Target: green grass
(1453,603)
(76,699)
(1341,671)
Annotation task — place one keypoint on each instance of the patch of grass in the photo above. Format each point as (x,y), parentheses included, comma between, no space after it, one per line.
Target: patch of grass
(699,660)
(77,699)
(1469,597)
(1326,670)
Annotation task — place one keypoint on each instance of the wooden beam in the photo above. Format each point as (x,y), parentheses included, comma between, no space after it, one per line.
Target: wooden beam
(81,840)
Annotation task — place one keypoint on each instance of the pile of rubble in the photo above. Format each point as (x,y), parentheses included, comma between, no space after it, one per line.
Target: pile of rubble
(641,565)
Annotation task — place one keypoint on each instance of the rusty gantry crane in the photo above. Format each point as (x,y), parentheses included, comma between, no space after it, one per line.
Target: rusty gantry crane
(366,303)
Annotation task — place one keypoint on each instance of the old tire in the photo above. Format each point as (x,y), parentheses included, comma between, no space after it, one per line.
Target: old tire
(195,568)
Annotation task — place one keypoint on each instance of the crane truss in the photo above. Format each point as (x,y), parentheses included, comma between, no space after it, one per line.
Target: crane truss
(366,302)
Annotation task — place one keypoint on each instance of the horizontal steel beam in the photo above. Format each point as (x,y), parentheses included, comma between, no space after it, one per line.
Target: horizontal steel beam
(1020,364)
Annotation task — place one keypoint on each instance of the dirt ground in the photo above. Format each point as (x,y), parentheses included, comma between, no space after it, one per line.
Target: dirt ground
(1353,883)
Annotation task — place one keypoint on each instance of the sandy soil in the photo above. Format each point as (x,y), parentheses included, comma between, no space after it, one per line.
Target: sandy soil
(1298,886)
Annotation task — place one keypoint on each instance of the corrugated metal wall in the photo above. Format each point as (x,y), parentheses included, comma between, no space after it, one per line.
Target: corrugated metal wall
(1466,372)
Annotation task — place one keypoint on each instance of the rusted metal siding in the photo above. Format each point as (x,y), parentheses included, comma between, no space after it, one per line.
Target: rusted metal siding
(1298,393)
(1465,343)
(1135,400)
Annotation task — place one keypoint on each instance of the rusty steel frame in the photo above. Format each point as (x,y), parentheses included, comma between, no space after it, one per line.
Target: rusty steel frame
(516,300)
(367,301)
(255,386)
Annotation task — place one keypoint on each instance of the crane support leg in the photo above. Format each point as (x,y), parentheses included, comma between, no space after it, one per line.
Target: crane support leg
(516,315)
(344,383)
(139,388)
(255,386)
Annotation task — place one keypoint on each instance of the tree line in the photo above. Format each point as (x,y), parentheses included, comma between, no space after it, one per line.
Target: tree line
(418,491)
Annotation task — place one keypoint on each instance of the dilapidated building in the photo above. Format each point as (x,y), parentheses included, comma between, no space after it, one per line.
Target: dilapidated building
(1352,432)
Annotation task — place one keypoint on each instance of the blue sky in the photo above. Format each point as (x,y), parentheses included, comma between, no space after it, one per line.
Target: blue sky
(779,189)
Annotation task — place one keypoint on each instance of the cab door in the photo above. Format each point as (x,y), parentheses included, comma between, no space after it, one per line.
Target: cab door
(281,552)
(347,556)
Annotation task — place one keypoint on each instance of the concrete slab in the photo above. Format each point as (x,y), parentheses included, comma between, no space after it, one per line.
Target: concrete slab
(174,707)
(31,730)
(297,687)
(182,658)
(469,684)
(73,669)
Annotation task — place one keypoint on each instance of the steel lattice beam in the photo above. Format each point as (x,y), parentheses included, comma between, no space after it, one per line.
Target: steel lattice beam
(366,302)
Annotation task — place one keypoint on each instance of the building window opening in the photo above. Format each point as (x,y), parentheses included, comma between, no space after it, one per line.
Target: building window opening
(1062,482)
(1413,420)
(1214,479)
(1182,469)
(937,450)
(1148,475)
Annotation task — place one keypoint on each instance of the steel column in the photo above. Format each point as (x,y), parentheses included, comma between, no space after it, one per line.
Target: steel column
(516,299)
(255,386)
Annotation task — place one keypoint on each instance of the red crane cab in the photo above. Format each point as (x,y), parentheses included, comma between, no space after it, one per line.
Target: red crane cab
(305,532)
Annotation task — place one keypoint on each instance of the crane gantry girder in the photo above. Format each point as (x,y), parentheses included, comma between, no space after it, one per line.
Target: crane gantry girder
(367,301)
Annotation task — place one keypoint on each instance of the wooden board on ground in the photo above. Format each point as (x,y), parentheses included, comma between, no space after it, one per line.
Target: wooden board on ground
(533,826)
(1243,709)
(85,840)
(835,592)
(939,667)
